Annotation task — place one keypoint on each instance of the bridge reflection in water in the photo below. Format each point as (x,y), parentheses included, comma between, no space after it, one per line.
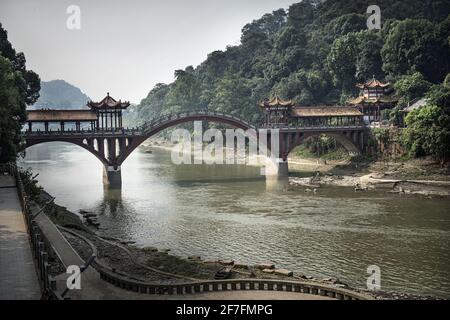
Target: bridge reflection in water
(107,139)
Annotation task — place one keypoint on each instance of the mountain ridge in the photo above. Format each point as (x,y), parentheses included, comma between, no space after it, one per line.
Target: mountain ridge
(59,94)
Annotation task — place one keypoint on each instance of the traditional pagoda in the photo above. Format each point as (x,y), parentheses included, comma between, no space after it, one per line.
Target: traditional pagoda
(277,111)
(109,112)
(373,99)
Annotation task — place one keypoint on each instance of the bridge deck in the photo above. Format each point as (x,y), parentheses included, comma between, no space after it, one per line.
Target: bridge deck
(18,277)
(140,131)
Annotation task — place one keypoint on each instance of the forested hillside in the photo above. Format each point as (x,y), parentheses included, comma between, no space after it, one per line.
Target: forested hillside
(58,94)
(313,53)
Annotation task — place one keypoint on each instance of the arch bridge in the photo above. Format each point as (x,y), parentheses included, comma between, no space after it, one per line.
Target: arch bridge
(112,144)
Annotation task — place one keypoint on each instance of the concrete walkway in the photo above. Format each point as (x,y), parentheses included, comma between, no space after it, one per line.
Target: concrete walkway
(18,277)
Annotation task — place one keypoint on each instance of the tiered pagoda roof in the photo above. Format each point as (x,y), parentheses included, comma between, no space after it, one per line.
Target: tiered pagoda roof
(276,101)
(373,83)
(108,103)
(416,104)
(367,97)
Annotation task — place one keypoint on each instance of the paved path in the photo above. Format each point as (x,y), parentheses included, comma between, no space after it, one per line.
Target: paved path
(18,277)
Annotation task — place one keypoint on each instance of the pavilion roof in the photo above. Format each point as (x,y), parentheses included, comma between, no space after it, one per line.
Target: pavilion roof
(325,111)
(50,115)
(416,104)
(364,100)
(108,102)
(373,83)
(276,101)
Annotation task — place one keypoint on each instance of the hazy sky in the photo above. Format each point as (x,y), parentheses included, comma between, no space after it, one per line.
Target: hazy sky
(125,47)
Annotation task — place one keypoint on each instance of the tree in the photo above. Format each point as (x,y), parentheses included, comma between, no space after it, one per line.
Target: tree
(185,92)
(304,87)
(341,61)
(368,60)
(439,95)
(355,57)
(428,132)
(428,128)
(12,111)
(416,45)
(301,14)
(18,87)
(153,105)
(233,96)
(410,87)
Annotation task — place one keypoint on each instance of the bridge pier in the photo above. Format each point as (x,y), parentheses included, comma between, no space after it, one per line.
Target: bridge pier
(276,168)
(112,177)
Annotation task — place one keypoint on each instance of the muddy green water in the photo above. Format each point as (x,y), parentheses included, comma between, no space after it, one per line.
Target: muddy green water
(230,212)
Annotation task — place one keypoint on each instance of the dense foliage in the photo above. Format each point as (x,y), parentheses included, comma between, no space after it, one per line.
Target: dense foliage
(313,53)
(428,128)
(18,87)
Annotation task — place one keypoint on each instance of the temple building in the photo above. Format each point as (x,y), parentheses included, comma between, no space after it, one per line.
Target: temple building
(373,99)
(279,113)
(109,112)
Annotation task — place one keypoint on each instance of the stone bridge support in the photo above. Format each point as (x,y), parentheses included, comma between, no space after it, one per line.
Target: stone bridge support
(114,156)
(112,177)
(277,166)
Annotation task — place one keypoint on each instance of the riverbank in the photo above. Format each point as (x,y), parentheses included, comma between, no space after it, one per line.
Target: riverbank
(423,177)
(157,265)
(416,177)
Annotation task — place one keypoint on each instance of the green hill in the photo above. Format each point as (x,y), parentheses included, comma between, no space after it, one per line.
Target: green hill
(58,94)
(313,53)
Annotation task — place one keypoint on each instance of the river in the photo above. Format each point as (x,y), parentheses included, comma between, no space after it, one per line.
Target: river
(230,212)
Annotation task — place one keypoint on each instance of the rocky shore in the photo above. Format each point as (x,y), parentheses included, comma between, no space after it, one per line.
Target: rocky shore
(374,181)
(416,177)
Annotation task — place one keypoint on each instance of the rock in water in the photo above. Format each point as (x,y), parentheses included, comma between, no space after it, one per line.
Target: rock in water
(284,272)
